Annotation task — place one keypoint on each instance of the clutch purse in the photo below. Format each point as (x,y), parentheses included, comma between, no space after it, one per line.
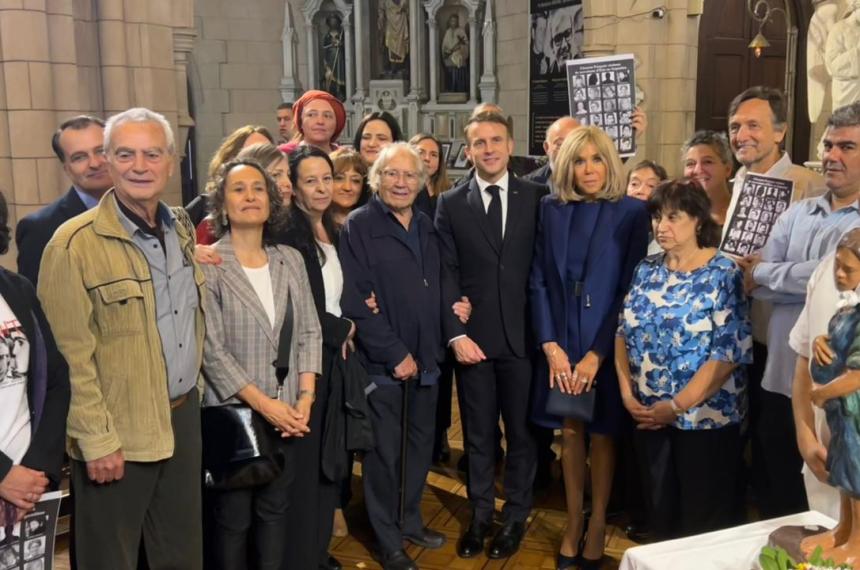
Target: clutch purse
(577,407)
(238,451)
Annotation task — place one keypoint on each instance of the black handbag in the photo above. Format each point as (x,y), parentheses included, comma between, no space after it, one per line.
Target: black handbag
(577,407)
(239,445)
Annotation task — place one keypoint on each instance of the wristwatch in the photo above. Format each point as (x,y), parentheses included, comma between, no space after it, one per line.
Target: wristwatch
(310,393)
(676,409)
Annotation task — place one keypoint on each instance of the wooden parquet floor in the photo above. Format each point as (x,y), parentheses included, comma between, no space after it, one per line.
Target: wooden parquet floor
(446,509)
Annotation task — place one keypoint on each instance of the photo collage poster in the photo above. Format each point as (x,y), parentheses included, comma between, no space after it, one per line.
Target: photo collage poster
(556,35)
(760,203)
(602,92)
(29,544)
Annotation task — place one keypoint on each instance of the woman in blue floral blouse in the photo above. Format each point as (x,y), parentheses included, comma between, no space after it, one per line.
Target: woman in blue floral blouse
(683,334)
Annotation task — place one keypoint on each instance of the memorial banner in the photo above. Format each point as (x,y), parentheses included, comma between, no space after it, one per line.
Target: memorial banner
(29,544)
(602,92)
(555,37)
(761,201)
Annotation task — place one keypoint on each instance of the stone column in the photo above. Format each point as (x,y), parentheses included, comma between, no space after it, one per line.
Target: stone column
(360,38)
(183,42)
(489,84)
(312,51)
(414,45)
(473,60)
(115,73)
(291,88)
(345,14)
(434,58)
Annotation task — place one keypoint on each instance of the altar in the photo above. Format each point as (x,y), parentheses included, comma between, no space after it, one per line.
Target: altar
(734,548)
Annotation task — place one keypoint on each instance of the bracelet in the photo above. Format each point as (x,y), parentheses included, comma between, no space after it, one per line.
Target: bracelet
(676,409)
(310,393)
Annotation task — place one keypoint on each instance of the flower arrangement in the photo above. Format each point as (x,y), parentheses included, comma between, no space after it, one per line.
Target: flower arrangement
(778,559)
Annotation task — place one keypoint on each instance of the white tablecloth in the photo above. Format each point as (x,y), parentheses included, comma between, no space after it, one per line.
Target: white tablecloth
(735,548)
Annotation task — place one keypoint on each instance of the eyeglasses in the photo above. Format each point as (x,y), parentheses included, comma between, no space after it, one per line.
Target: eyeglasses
(395,175)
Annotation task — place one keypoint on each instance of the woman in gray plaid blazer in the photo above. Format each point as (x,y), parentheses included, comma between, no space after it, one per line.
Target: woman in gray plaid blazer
(245,307)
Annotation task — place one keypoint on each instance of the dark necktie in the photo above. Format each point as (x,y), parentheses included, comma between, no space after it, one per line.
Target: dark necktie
(494,213)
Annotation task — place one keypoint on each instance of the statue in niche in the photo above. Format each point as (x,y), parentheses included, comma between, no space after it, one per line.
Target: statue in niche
(333,58)
(842,57)
(455,56)
(393,24)
(817,77)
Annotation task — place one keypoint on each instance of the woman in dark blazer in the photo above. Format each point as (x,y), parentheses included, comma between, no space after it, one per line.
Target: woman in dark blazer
(389,247)
(590,238)
(311,230)
(34,395)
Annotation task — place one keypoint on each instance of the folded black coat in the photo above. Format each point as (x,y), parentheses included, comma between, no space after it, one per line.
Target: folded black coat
(347,421)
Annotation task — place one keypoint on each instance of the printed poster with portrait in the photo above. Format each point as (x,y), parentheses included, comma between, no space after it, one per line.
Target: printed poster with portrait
(602,92)
(556,35)
(760,203)
(29,544)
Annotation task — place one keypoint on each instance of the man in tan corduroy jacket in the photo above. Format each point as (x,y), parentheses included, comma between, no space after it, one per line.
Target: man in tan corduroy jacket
(122,293)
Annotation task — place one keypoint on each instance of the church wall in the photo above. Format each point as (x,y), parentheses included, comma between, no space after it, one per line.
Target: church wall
(60,58)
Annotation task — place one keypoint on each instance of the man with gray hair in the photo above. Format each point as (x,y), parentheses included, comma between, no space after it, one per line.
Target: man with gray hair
(122,293)
(779,274)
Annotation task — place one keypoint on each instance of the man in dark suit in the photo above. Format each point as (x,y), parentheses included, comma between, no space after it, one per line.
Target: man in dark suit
(79,144)
(486,230)
(555,135)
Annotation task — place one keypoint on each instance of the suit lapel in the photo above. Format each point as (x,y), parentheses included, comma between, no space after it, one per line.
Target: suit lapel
(234,277)
(72,205)
(280,287)
(515,210)
(473,197)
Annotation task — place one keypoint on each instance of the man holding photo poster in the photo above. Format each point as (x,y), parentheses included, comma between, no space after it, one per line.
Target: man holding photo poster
(778,273)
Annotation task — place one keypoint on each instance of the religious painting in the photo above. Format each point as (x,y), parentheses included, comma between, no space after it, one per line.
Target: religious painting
(332,56)
(453,25)
(390,24)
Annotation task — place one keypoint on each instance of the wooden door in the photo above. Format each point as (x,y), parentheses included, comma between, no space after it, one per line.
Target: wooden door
(727,66)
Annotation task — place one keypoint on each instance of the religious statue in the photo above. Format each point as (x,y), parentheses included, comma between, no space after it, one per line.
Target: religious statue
(393,25)
(455,56)
(835,371)
(842,57)
(817,77)
(334,68)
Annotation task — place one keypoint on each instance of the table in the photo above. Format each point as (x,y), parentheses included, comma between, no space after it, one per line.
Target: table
(734,548)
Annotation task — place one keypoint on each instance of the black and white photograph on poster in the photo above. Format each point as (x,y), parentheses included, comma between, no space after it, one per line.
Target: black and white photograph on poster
(29,543)
(556,34)
(609,96)
(761,201)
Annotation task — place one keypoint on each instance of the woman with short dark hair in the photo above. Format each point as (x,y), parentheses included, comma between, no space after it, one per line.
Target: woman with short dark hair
(682,340)
(376,131)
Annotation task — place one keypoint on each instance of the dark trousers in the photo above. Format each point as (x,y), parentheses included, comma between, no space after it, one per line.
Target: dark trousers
(159,502)
(776,461)
(256,517)
(381,466)
(499,384)
(312,501)
(690,476)
(444,400)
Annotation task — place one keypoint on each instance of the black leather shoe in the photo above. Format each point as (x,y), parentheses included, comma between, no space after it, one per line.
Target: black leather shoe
(398,560)
(472,543)
(563,562)
(331,564)
(427,538)
(507,540)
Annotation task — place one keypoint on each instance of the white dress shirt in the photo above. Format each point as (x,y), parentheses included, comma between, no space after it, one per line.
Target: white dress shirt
(486,197)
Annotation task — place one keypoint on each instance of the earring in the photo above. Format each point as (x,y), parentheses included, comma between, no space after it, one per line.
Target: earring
(223,217)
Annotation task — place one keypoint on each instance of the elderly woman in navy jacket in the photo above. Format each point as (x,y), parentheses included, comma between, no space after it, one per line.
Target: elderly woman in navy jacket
(389,248)
(590,238)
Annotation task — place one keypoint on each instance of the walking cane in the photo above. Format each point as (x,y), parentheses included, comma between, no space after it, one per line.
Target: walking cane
(404,435)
